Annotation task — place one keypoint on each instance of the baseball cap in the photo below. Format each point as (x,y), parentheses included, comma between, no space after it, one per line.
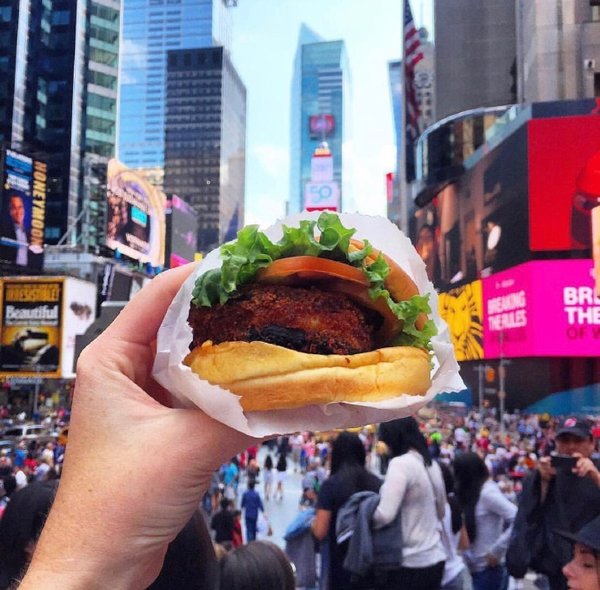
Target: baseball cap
(588,535)
(576,427)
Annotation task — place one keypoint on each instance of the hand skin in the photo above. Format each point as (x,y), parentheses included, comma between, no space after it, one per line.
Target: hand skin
(135,470)
(585,468)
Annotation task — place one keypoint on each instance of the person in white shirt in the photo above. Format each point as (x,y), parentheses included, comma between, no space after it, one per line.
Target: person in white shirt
(489,516)
(414,487)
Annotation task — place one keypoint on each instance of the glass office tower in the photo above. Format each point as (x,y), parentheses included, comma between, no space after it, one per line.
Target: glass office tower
(150,29)
(205,140)
(58,60)
(324,88)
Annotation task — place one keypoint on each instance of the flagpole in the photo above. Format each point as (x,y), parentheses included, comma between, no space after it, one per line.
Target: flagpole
(402,186)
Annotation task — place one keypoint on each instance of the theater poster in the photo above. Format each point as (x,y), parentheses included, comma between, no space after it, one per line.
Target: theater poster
(31,326)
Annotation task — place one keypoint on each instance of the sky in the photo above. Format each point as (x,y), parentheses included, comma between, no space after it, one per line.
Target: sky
(264,41)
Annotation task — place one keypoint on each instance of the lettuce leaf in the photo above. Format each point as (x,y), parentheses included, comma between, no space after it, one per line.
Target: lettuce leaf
(253,250)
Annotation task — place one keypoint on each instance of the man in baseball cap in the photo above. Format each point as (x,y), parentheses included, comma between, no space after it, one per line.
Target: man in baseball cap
(562,494)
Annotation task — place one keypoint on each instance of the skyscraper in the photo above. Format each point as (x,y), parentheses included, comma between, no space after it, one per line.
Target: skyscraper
(205,140)
(475,51)
(150,29)
(58,60)
(320,101)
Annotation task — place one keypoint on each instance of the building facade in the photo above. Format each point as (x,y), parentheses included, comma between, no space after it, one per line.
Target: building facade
(320,112)
(150,29)
(558,49)
(59,60)
(205,140)
(475,53)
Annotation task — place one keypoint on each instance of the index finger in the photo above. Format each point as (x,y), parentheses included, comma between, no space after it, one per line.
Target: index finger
(140,319)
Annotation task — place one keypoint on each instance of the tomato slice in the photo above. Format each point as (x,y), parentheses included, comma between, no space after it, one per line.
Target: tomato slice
(310,268)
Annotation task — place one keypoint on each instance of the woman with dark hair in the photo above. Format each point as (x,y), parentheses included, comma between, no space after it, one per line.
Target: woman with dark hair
(348,475)
(20,528)
(268,476)
(258,564)
(488,519)
(583,571)
(414,488)
(281,475)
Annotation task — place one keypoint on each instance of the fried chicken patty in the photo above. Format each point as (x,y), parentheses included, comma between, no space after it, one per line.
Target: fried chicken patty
(305,319)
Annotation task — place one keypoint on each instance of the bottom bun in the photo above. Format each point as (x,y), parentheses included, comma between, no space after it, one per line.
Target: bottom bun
(270,377)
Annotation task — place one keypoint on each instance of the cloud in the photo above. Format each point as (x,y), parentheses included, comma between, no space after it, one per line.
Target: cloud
(274,160)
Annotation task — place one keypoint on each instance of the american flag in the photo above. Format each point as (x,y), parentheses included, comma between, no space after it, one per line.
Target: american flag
(412,56)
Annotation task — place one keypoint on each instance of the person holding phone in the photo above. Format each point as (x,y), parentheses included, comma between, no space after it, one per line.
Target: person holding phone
(562,494)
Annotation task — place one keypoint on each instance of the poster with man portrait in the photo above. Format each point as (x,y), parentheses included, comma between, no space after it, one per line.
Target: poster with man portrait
(22,210)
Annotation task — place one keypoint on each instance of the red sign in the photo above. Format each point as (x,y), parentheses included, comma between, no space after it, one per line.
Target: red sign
(321,126)
(560,150)
(389,186)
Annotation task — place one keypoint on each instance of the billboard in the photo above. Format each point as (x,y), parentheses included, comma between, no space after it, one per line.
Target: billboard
(542,308)
(564,181)
(22,210)
(41,316)
(321,196)
(478,224)
(79,313)
(30,332)
(321,126)
(135,216)
(462,310)
(182,232)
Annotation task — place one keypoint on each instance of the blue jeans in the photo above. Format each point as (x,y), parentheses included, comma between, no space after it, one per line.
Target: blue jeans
(491,578)
(251,529)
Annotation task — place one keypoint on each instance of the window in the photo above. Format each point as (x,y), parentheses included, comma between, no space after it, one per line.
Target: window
(60,17)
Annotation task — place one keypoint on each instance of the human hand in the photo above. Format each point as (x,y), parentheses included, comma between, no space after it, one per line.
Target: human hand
(491,560)
(135,470)
(547,472)
(585,468)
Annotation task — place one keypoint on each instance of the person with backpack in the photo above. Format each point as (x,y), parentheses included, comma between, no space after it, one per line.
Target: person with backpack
(348,476)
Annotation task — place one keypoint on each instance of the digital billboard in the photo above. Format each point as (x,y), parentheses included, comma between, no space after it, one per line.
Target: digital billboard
(182,232)
(321,126)
(135,216)
(30,332)
(564,181)
(22,209)
(461,309)
(478,224)
(542,308)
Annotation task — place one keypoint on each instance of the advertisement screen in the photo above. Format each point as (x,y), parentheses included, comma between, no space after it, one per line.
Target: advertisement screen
(563,185)
(30,332)
(135,216)
(183,232)
(321,126)
(542,308)
(22,211)
(477,225)
(461,308)
(79,313)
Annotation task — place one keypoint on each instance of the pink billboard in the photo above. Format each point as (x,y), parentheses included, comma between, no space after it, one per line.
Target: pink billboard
(542,308)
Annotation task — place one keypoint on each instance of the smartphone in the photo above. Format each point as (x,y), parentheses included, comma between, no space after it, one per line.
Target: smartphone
(563,462)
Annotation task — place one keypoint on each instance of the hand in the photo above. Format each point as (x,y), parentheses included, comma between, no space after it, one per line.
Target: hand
(585,468)
(135,470)
(491,560)
(547,472)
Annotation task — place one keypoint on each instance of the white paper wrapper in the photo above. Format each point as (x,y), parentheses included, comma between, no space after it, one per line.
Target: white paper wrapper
(189,390)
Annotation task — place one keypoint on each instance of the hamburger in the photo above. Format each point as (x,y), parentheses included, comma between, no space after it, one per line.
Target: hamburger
(315,318)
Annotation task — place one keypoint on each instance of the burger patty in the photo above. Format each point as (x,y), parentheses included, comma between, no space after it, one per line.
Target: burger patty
(305,319)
